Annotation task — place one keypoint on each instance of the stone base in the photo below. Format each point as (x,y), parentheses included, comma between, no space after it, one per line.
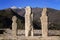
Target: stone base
(51,38)
(40,38)
(35,38)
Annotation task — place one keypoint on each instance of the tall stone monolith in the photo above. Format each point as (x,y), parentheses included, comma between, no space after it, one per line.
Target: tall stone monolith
(44,23)
(14,26)
(28,21)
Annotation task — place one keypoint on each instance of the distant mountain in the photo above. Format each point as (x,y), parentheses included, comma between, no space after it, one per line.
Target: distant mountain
(6,16)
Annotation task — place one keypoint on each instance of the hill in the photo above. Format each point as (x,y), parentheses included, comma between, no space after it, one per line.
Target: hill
(6,16)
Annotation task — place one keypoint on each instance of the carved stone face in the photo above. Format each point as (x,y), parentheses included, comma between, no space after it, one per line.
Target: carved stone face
(44,11)
(28,9)
(14,18)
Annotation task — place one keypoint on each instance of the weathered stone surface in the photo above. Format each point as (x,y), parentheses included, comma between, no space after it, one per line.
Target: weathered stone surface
(28,21)
(44,23)
(32,25)
(14,26)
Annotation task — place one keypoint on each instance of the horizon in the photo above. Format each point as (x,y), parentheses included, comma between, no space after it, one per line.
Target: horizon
(31,7)
(55,4)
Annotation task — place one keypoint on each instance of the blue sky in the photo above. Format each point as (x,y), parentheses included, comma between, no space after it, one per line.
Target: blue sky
(33,3)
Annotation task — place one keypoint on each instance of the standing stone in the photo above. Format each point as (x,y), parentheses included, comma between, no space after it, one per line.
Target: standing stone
(44,23)
(28,22)
(32,24)
(14,26)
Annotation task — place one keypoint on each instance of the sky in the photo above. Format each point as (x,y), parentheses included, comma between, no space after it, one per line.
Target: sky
(33,3)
